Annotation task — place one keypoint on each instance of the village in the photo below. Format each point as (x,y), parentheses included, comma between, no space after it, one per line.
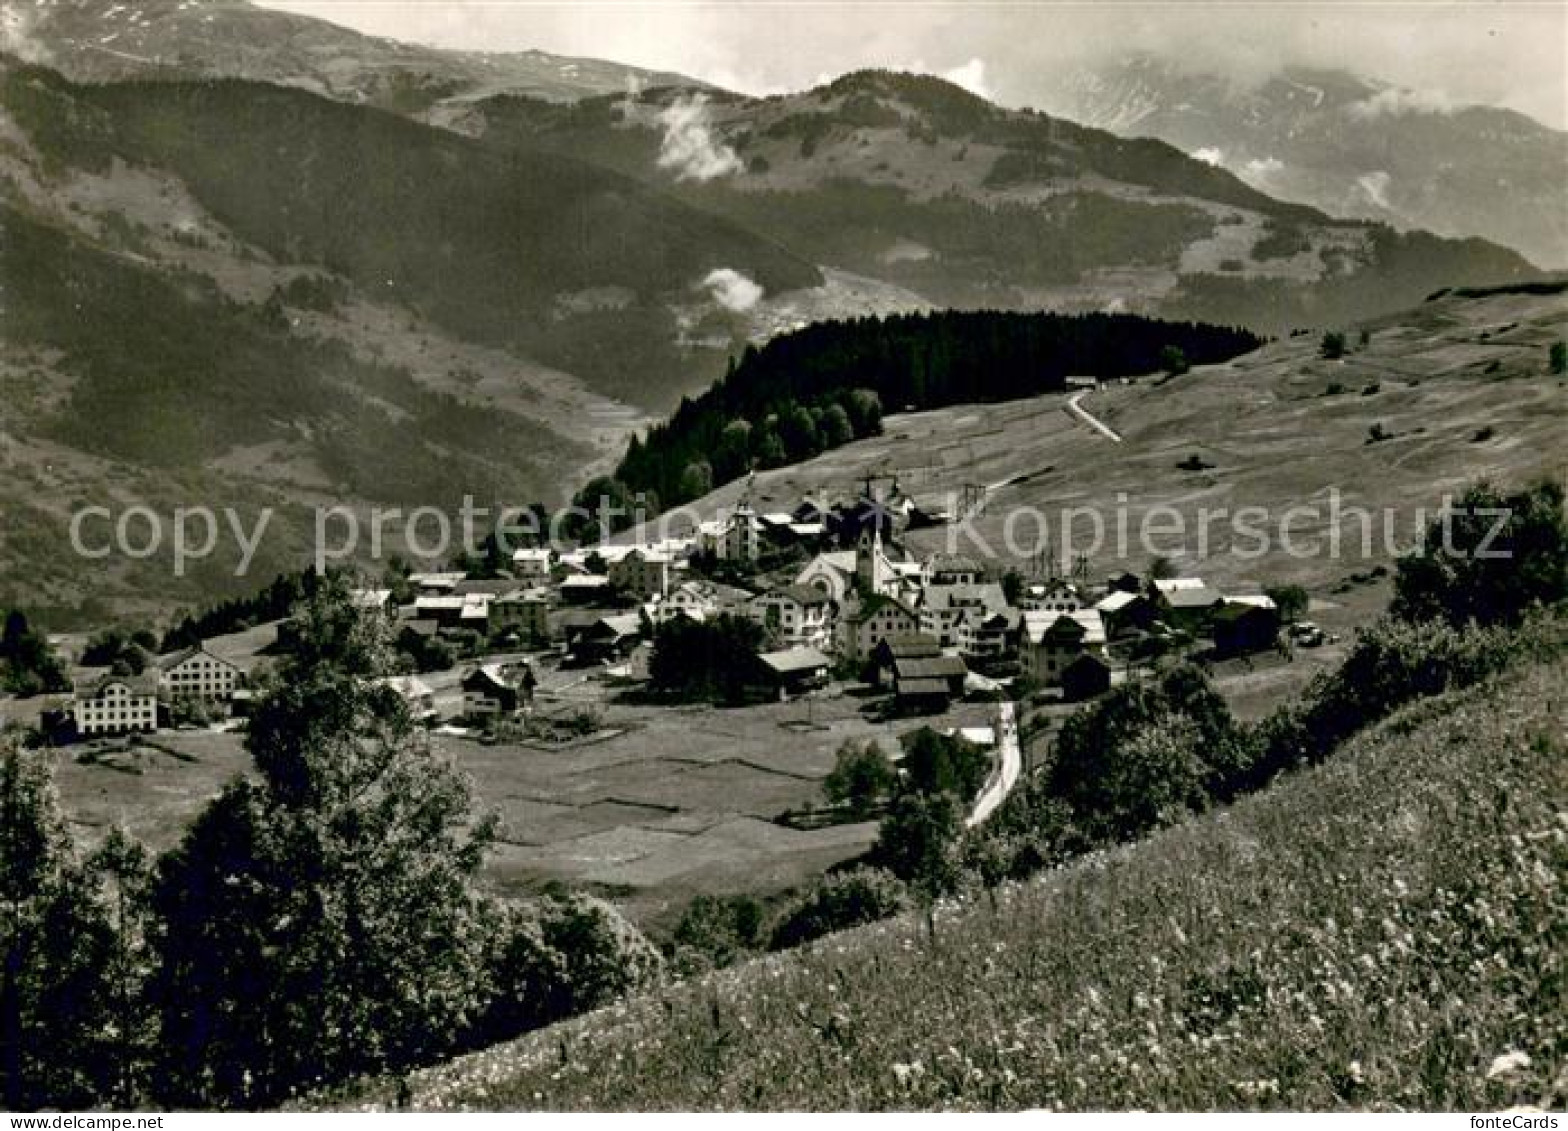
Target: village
(922,633)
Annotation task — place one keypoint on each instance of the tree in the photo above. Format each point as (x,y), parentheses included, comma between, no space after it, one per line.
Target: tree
(1173,361)
(862,775)
(939,763)
(123,871)
(720,929)
(1557,357)
(321,919)
(28,664)
(838,902)
(707,660)
(55,995)
(1291,600)
(918,842)
(836,427)
(1488,560)
(1332,345)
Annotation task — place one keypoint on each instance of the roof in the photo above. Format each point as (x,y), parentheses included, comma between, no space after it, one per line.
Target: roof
(621,624)
(1200,598)
(1256,601)
(913,645)
(435,580)
(1117,601)
(987,594)
(585,581)
(491,674)
(91,687)
(1172,584)
(175,659)
(408,686)
(954,563)
(922,687)
(1229,613)
(876,603)
(541,554)
(929,667)
(793,660)
(1085,623)
(522,596)
(808,595)
(369,598)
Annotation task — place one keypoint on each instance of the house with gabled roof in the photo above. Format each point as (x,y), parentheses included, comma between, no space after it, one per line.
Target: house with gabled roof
(796,615)
(116,704)
(789,671)
(196,673)
(867,623)
(1049,641)
(496,691)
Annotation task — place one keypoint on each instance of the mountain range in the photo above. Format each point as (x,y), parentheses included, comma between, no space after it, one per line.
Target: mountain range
(243,261)
(1348,145)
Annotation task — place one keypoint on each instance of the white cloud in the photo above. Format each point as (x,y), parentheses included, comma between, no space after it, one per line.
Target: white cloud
(970,76)
(1260,170)
(690,146)
(1395,102)
(1210,155)
(732,290)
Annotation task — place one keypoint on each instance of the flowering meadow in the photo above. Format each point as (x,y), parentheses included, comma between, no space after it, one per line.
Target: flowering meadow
(1387,930)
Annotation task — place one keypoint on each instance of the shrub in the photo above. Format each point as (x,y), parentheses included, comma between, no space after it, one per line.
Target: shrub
(839,902)
(862,775)
(1488,559)
(1332,345)
(719,929)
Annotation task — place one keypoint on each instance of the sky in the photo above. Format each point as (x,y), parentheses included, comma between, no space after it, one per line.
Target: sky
(1500,53)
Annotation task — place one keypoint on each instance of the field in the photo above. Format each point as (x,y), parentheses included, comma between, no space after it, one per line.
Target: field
(1383,932)
(660,805)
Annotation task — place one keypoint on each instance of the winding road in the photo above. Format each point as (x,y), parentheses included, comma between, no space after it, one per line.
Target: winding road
(1008,772)
(1090,419)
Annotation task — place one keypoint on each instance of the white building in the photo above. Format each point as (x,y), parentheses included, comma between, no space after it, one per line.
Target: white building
(869,622)
(641,573)
(796,616)
(115,704)
(1051,641)
(198,674)
(531,565)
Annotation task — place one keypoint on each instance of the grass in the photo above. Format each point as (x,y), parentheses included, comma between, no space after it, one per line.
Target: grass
(1386,931)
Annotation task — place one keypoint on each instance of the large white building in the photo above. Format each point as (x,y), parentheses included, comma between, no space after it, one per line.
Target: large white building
(644,574)
(114,704)
(796,616)
(1051,641)
(198,674)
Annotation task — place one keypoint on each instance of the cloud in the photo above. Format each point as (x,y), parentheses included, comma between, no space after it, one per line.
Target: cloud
(970,76)
(689,146)
(732,290)
(1260,170)
(1210,155)
(1395,102)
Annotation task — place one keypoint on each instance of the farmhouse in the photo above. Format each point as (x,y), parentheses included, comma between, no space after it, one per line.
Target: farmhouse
(198,674)
(114,704)
(1240,628)
(948,670)
(492,691)
(1125,612)
(607,639)
(1184,602)
(1051,641)
(790,671)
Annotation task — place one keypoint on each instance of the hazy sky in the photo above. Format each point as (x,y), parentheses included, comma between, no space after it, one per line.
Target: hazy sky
(1505,53)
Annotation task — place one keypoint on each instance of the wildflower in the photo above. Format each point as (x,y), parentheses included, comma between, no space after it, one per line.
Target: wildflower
(1506,1065)
(1354,1073)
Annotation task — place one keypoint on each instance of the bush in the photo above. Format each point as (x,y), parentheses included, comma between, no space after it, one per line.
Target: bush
(862,775)
(1489,559)
(839,902)
(1332,345)
(717,930)
(558,957)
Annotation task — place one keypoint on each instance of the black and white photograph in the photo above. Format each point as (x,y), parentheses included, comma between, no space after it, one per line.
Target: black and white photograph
(749,556)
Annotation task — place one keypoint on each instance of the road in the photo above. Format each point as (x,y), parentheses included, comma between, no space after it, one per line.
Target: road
(1090,419)
(1011,767)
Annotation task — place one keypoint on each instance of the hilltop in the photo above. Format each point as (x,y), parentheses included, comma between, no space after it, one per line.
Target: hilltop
(1458,385)
(1362,935)
(920,184)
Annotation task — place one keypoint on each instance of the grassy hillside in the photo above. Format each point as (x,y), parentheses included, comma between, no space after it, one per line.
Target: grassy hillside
(1384,931)
(1460,387)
